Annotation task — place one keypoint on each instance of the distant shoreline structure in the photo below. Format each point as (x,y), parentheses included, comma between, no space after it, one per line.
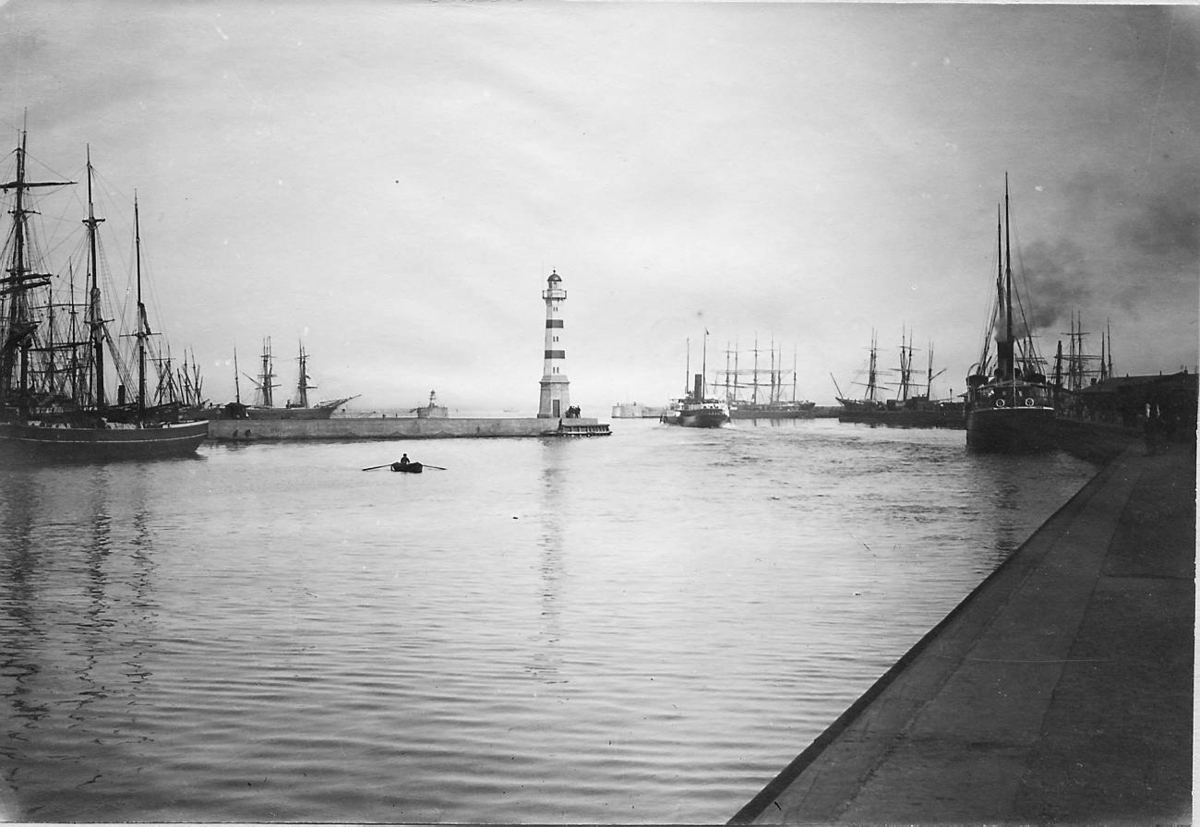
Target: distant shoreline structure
(635,410)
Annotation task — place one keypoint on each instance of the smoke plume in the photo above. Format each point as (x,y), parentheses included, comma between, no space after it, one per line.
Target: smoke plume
(1168,226)
(1052,281)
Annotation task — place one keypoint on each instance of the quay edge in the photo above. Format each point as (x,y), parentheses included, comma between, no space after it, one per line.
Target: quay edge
(1059,691)
(364,428)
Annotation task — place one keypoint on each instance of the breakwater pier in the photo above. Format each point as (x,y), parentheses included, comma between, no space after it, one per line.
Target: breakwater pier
(364,428)
(1060,690)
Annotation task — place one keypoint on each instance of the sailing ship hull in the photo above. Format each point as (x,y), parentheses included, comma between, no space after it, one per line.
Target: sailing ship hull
(784,411)
(322,410)
(859,405)
(46,442)
(289,413)
(1012,430)
(932,416)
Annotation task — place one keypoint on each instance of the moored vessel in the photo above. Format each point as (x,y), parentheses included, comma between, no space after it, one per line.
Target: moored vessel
(869,401)
(912,407)
(297,408)
(56,368)
(766,395)
(1009,404)
(779,409)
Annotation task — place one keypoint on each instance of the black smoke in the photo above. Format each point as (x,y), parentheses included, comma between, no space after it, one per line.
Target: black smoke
(1168,226)
(1052,281)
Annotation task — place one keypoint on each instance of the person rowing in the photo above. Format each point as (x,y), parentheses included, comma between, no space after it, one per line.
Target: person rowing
(406,465)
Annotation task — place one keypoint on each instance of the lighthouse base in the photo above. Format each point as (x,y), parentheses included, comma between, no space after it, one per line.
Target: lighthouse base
(555,398)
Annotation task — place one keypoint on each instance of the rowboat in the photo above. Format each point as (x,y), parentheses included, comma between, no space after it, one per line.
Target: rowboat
(409,468)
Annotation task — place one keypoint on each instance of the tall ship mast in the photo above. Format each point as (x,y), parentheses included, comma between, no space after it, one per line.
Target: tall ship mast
(1009,404)
(302,385)
(298,408)
(912,406)
(870,397)
(56,401)
(763,386)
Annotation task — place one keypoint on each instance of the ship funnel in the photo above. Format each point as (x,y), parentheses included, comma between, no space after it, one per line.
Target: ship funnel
(1000,330)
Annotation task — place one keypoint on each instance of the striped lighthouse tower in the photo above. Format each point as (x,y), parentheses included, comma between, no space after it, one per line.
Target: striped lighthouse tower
(556,396)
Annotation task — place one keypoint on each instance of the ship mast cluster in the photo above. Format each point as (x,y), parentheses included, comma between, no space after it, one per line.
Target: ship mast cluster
(58,357)
(757,385)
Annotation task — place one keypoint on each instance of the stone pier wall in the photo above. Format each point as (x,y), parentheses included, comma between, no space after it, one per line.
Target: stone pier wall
(361,428)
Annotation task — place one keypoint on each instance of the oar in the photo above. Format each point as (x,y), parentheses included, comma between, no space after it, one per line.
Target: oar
(389,465)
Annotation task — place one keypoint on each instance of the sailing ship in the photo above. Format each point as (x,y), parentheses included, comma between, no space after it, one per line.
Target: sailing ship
(56,370)
(1077,373)
(766,397)
(298,408)
(913,405)
(695,409)
(184,385)
(1010,406)
(869,401)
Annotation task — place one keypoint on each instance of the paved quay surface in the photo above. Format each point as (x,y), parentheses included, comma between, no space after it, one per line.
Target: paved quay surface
(1060,691)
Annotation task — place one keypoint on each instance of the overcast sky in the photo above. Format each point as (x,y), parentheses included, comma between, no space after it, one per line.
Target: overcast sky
(392,182)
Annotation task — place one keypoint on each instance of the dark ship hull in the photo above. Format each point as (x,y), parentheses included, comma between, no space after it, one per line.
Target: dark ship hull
(782,410)
(49,442)
(1012,429)
(289,413)
(925,416)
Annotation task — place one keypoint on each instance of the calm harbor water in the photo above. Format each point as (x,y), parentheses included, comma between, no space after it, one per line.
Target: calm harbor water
(645,627)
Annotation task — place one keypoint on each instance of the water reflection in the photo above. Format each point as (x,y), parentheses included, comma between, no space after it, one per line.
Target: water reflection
(159,663)
(19,591)
(1016,488)
(547,660)
(98,549)
(76,576)
(141,604)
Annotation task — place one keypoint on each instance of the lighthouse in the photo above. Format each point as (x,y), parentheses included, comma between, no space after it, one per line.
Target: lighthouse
(556,396)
